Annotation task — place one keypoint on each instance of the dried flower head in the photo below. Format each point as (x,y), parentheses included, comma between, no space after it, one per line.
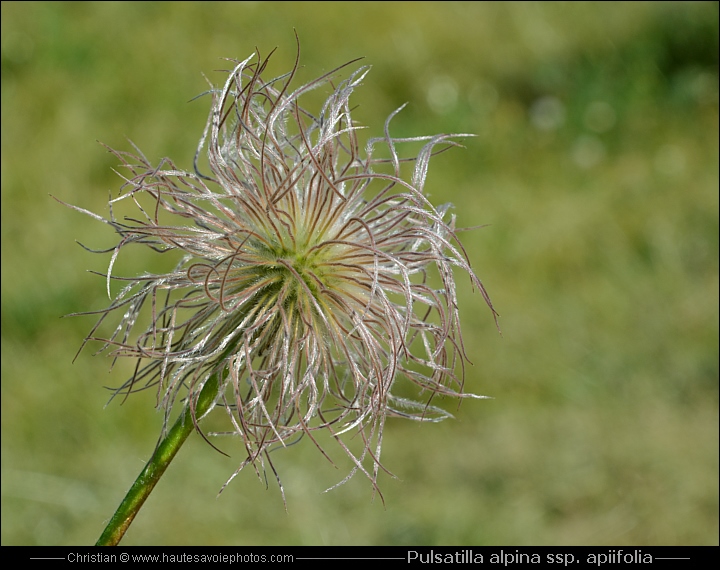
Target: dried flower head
(305,279)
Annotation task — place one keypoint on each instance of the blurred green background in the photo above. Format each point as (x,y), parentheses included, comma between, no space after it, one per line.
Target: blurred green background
(596,170)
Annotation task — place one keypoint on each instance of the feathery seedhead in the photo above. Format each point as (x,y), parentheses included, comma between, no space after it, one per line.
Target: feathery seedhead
(305,278)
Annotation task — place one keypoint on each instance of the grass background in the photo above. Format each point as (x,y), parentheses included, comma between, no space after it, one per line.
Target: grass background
(596,168)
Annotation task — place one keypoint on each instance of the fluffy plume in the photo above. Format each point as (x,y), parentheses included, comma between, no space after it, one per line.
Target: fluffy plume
(305,271)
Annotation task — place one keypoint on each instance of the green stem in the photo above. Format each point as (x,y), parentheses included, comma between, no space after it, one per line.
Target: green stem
(157,465)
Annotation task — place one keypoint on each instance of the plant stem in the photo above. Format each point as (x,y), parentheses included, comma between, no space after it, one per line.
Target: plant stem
(150,475)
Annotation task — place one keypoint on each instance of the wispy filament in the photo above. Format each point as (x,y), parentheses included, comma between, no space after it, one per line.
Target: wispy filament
(305,271)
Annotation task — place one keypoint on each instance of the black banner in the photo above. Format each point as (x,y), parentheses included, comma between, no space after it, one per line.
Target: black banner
(556,557)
